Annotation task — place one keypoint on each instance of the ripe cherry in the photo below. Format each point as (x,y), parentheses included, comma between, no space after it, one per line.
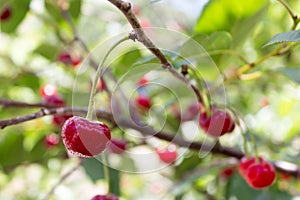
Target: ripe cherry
(143,102)
(54,100)
(143,81)
(68,59)
(245,163)
(59,120)
(217,123)
(5,14)
(168,154)
(260,175)
(284,176)
(105,197)
(48,90)
(85,138)
(51,140)
(191,112)
(117,146)
(227,172)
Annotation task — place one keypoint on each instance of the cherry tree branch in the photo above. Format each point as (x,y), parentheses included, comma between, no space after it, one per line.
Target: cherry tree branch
(281,166)
(125,8)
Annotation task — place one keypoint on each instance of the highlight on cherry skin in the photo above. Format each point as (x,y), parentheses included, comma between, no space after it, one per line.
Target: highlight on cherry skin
(85,138)
(105,197)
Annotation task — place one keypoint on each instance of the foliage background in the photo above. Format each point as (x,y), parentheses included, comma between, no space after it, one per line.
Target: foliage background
(37,32)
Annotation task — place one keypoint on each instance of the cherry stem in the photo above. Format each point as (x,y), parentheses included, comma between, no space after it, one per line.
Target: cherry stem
(89,115)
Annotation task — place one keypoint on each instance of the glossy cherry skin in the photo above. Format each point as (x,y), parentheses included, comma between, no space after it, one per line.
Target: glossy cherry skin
(65,57)
(217,124)
(245,163)
(59,120)
(117,146)
(51,140)
(5,14)
(85,138)
(168,154)
(260,175)
(105,197)
(143,102)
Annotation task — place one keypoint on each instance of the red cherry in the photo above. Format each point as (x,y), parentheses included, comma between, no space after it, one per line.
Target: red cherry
(65,58)
(105,197)
(245,163)
(217,124)
(51,140)
(145,23)
(191,112)
(101,85)
(54,100)
(48,90)
(85,138)
(167,154)
(260,175)
(117,146)
(143,102)
(143,81)
(226,173)
(5,14)
(59,120)
(76,61)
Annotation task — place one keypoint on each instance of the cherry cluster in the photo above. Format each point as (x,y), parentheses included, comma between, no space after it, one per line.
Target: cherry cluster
(257,172)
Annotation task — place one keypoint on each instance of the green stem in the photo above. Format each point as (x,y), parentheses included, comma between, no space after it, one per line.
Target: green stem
(89,115)
(106,171)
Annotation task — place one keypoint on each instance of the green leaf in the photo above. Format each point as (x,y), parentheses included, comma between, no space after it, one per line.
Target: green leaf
(28,80)
(223,14)
(75,8)
(290,36)
(48,51)
(126,62)
(292,73)
(18,11)
(114,183)
(93,168)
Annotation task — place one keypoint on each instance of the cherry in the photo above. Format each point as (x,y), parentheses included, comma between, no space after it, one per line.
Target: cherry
(5,14)
(227,172)
(218,123)
(260,175)
(143,102)
(105,197)
(145,23)
(51,140)
(245,163)
(54,100)
(59,120)
(284,176)
(85,138)
(101,85)
(117,146)
(67,59)
(168,154)
(48,90)
(192,111)
(143,81)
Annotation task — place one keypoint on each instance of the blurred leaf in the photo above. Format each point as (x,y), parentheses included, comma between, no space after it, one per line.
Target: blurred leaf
(28,80)
(243,28)
(93,168)
(220,15)
(114,183)
(47,50)
(292,73)
(126,62)
(291,36)
(18,12)
(237,188)
(54,11)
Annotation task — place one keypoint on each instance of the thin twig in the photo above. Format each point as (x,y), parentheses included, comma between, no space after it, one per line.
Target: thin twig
(125,8)
(62,179)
